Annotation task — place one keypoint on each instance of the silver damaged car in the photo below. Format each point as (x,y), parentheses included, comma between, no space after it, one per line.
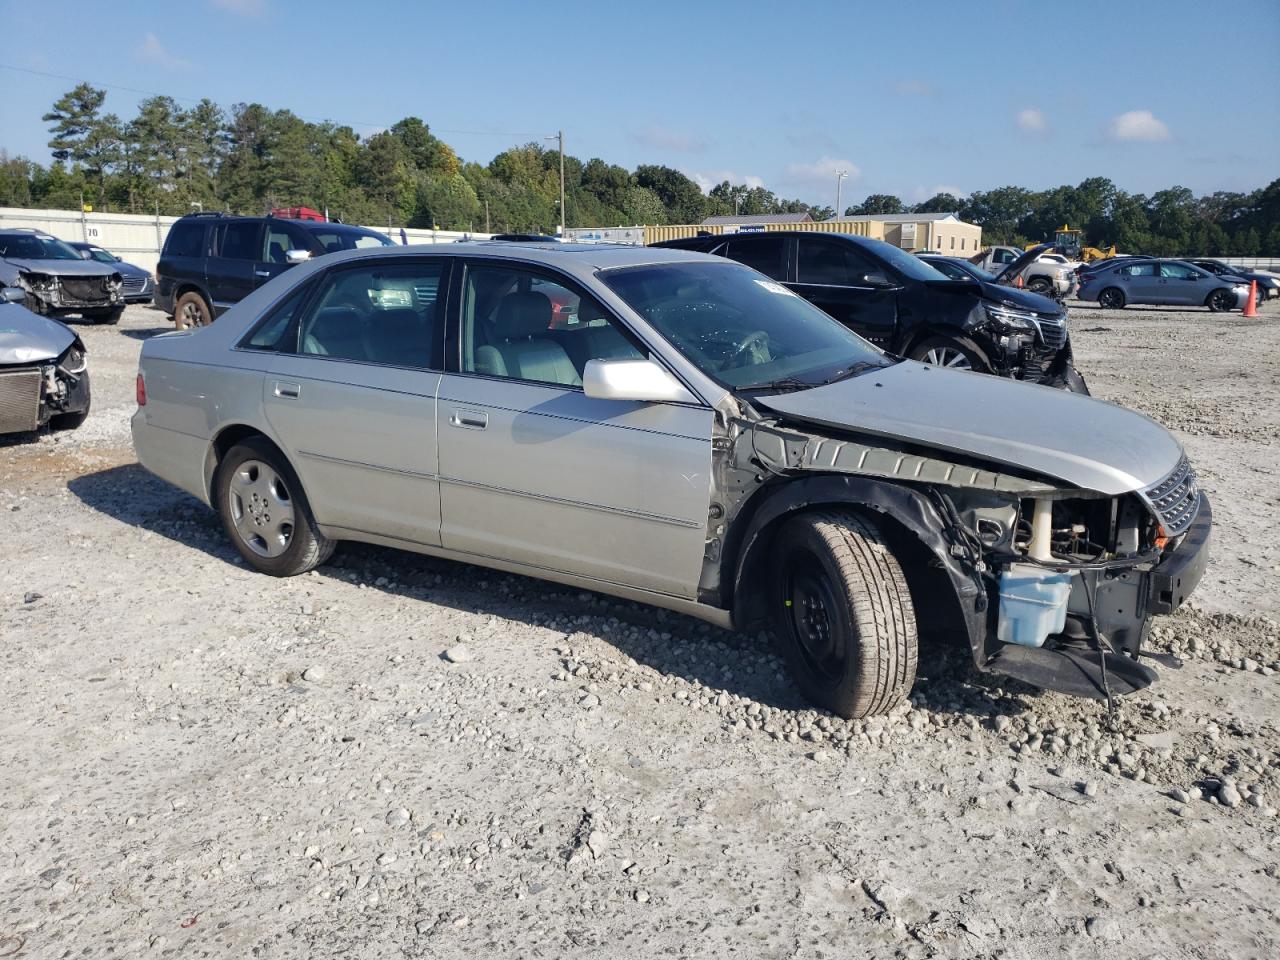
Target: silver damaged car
(675,428)
(44,374)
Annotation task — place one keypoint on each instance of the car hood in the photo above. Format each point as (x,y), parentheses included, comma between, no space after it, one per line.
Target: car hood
(64,268)
(128,269)
(1075,439)
(26,337)
(1011,272)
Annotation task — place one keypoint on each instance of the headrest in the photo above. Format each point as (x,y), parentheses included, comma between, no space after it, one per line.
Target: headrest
(522,315)
(335,321)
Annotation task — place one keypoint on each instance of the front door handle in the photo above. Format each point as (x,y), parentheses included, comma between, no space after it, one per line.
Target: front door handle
(469,419)
(262,273)
(287,391)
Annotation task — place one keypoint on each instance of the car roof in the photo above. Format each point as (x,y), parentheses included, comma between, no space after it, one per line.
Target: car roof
(578,259)
(307,224)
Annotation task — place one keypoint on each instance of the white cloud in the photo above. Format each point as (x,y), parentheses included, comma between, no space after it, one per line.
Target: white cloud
(711,178)
(914,88)
(821,174)
(661,138)
(1138,125)
(243,8)
(152,51)
(1031,120)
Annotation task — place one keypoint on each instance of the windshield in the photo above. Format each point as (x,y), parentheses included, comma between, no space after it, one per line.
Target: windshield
(103,256)
(954,270)
(35,247)
(907,264)
(739,327)
(335,240)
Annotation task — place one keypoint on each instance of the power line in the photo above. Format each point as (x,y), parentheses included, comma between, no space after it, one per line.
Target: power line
(300,116)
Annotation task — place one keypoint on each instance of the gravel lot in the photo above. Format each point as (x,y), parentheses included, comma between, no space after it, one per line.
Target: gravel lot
(199,761)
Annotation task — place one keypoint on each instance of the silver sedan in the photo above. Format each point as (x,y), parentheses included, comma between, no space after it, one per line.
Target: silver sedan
(679,429)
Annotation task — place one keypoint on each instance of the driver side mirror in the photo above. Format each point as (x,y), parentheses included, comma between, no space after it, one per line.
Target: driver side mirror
(296,256)
(86,254)
(12,295)
(876,279)
(641,380)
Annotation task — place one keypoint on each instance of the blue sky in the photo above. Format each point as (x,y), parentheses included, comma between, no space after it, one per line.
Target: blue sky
(909,97)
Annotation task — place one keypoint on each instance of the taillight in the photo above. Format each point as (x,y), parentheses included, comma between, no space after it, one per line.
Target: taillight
(141,391)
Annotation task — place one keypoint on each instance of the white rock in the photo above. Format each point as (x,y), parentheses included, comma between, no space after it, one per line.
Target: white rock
(459,653)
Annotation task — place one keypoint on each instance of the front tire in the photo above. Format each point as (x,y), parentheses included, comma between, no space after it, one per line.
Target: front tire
(1111,299)
(265,512)
(1221,301)
(843,613)
(956,353)
(1041,286)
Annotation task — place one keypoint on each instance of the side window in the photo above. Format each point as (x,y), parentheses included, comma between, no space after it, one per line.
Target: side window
(1176,271)
(186,239)
(831,264)
(388,313)
(1139,270)
(526,326)
(761,253)
(271,333)
(278,241)
(239,240)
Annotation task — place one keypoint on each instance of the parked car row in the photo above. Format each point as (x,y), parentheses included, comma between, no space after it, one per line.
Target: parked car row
(1121,281)
(903,304)
(57,280)
(696,434)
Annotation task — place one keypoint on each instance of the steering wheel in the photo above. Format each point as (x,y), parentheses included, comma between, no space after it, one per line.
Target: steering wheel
(756,344)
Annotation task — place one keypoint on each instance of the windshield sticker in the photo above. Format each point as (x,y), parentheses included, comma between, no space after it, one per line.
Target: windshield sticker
(773,287)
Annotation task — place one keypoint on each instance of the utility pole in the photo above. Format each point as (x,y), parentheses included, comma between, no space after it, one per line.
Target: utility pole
(486,216)
(841,175)
(563,219)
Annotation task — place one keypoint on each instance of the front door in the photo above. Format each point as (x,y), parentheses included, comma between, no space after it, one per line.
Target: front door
(833,277)
(353,398)
(1183,284)
(534,471)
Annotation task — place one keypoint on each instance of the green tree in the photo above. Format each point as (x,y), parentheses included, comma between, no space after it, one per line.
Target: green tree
(939,203)
(877,203)
(683,199)
(73,116)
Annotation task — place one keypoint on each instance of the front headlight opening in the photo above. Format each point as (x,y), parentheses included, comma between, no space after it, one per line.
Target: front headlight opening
(1008,320)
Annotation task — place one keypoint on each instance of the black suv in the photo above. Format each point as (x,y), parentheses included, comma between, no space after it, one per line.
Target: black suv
(905,306)
(211,260)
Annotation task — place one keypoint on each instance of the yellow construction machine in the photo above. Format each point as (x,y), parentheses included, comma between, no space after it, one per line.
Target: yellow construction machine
(1070,243)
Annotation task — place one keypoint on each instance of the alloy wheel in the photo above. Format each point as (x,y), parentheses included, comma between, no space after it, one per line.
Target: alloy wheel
(948,357)
(261,508)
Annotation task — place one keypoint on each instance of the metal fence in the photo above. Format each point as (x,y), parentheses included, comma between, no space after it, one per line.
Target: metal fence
(140,238)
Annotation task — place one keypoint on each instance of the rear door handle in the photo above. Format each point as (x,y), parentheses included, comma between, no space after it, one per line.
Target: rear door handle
(469,419)
(287,391)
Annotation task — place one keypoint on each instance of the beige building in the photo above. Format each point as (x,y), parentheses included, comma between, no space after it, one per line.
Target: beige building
(936,232)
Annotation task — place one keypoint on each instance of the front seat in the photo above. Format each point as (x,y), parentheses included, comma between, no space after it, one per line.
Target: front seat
(336,332)
(520,346)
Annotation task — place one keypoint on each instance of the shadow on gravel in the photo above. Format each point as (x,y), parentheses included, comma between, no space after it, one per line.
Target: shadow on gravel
(146,333)
(744,665)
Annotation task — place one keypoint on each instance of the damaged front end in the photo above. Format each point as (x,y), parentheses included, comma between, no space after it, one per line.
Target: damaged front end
(1050,583)
(44,372)
(53,293)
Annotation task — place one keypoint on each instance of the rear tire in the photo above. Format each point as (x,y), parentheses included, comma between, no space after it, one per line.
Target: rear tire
(191,310)
(843,613)
(1111,298)
(265,512)
(956,353)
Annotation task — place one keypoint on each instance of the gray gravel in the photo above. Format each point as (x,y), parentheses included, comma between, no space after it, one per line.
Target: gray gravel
(201,761)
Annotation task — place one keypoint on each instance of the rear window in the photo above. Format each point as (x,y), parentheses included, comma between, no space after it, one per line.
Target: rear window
(185,240)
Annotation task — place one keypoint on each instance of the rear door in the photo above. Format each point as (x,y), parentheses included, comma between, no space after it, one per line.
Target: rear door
(351,395)
(534,471)
(231,270)
(832,274)
(184,259)
(1139,282)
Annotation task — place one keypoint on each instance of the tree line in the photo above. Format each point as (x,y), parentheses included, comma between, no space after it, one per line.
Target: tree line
(250,158)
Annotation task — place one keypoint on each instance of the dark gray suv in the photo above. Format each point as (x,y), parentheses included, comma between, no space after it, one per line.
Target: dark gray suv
(212,260)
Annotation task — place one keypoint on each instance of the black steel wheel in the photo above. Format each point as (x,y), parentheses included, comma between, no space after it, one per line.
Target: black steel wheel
(1111,298)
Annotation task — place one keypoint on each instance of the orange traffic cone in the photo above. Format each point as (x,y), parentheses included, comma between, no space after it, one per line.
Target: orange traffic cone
(1018,281)
(1251,307)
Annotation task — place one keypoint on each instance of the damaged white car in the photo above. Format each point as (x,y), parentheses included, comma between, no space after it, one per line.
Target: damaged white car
(44,375)
(678,429)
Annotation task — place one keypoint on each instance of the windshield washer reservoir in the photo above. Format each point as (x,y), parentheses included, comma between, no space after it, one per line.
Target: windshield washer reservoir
(1033,604)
